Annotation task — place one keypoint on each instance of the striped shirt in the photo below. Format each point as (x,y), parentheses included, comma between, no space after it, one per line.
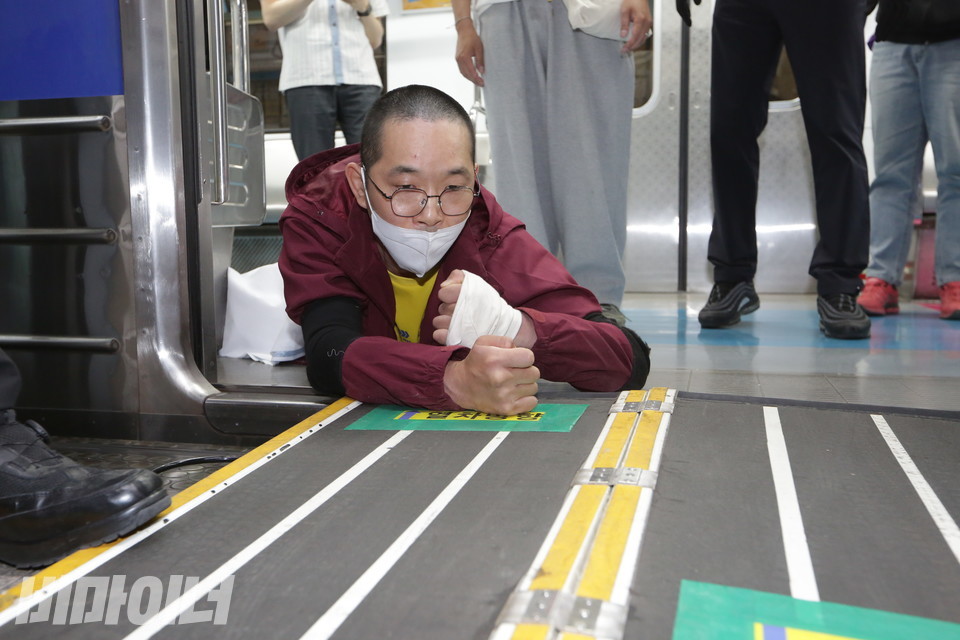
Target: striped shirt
(328,46)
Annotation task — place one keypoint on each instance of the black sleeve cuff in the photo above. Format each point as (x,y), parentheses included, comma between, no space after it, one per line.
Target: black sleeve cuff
(329,326)
(641,354)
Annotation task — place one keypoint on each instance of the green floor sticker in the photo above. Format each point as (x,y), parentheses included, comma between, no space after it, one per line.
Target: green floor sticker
(558,418)
(715,612)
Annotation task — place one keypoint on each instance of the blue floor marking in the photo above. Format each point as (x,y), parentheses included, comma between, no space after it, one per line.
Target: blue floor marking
(920,330)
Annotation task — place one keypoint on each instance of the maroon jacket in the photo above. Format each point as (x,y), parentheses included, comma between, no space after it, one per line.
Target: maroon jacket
(329,249)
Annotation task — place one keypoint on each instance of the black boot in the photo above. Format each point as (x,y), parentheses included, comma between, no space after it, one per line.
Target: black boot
(51,506)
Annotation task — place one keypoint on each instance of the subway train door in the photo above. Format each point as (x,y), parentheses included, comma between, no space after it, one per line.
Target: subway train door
(127,155)
(670,202)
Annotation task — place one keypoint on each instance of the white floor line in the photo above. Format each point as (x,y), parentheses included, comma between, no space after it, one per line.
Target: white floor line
(941,517)
(335,616)
(169,613)
(803,582)
(26,603)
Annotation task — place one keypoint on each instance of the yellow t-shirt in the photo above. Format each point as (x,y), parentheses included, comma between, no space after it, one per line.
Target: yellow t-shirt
(411,297)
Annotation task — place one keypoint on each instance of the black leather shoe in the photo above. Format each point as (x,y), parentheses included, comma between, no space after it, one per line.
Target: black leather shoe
(51,506)
(727,302)
(841,317)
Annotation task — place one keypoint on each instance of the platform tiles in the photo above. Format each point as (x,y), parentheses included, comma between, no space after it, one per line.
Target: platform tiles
(654,517)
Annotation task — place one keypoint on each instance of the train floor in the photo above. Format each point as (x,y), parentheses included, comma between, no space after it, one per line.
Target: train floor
(910,360)
(770,482)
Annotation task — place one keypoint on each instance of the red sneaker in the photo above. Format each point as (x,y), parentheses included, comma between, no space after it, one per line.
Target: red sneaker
(950,301)
(879,297)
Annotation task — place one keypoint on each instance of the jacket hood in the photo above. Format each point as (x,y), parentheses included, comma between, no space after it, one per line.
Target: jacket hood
(319,179)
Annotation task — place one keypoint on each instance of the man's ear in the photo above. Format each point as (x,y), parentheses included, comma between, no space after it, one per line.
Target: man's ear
(355,180)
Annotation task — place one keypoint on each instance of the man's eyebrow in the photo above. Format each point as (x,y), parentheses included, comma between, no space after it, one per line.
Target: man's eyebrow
(401,170)
(405,170)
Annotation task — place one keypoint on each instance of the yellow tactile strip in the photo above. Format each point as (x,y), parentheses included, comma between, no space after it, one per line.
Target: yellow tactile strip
(578,586)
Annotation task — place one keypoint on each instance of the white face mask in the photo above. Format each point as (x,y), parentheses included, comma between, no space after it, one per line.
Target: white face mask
(414,250)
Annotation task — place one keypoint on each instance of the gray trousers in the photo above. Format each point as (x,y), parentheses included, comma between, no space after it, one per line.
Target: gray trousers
(559,105)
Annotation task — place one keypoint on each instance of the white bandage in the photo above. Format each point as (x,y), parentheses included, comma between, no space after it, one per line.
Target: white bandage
(480,311)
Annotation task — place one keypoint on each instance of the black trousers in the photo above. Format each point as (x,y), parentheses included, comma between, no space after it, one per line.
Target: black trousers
(9,382)
(316,110)
(824,41)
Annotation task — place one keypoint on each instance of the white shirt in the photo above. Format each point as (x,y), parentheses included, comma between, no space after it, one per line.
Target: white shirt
(482,5)
(328,46)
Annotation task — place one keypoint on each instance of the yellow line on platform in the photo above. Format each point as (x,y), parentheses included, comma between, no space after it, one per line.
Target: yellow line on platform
(566,547)
(605,558)
(531,632)
(220,475)
(641,446)
(81,557)
(586,555)
(658,394)
(616,440)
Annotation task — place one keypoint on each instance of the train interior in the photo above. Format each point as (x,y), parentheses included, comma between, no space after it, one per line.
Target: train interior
(129,201)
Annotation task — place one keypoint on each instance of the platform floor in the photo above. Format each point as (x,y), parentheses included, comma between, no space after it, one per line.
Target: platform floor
(911,359)
(754,518)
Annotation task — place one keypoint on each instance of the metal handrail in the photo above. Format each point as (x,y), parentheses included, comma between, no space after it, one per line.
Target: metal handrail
(58,236)
(59,343)
(46,126)
(240,33)
(218,96)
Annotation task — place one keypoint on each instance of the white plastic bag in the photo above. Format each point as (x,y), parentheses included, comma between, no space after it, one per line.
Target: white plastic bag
(600,18)
(257,325)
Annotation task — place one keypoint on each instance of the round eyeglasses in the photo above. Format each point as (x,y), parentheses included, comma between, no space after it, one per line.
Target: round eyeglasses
(409,202)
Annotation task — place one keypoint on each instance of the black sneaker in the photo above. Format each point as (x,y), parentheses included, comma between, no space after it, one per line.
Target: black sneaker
(612,312)
(727,302)
(50,506)
(841,317)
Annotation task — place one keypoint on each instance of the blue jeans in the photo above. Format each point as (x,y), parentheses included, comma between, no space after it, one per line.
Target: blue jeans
(315,112)
(915,95)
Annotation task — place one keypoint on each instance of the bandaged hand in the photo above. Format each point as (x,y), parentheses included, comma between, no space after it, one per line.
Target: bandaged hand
(471,308)
(495,377)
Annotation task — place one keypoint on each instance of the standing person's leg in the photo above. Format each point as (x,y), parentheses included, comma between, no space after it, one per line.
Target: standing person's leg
(313,118)
(899,138)
(589,103)
(50,505)
(828,59)
(514,94)
(353,103)
(940,83)
(746,48)
(829,64)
